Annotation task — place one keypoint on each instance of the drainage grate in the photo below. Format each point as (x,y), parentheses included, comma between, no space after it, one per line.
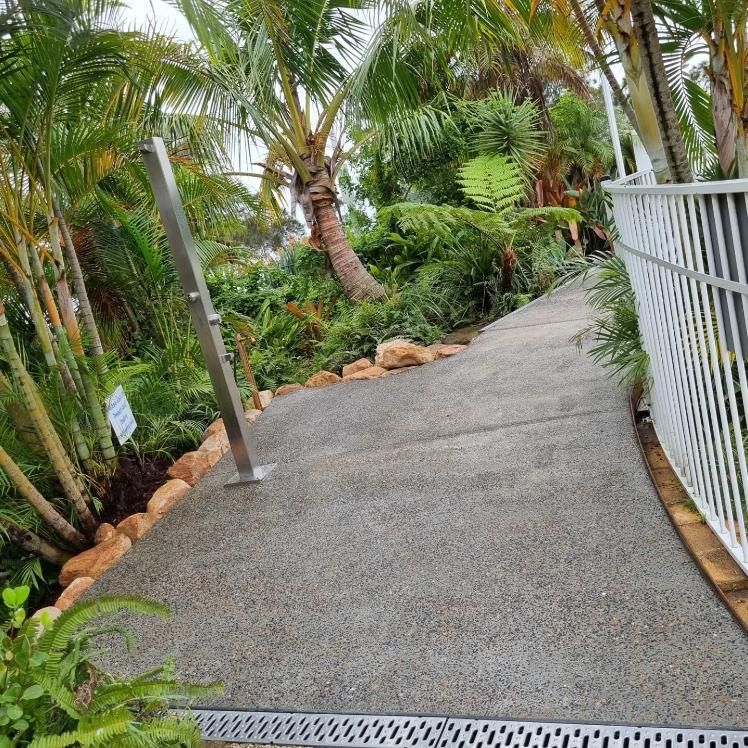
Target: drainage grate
(347,731)
(381,731)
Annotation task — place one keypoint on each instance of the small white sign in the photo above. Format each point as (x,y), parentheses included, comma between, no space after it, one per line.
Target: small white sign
(120,415)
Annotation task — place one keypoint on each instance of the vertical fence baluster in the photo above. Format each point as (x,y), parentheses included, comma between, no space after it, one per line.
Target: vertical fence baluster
(681,245)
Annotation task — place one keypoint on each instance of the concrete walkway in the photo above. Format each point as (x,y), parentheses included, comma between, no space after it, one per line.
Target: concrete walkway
(478,536)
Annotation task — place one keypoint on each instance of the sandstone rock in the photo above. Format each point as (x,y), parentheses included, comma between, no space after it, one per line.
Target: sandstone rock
(216,427)
(104,531)
(372,372)
(190,467)
(137,525)
(400,371)
(95,561)
(252,415)
(213,455)
(287,389)
(218,441)
(440,350)
(322,379)
(356,366)
(71,594)
(265,397)
(166,496)
(399,353)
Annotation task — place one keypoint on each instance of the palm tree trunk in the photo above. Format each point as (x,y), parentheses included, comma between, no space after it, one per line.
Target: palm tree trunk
(43,508)
(44,428)
(357,282)
(32,543)
(725,121)
(617,19)
(84,305)
(320,208)
(656,77)
(602,63)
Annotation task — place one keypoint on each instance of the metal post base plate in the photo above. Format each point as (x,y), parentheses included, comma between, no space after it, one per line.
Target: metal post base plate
(262,472)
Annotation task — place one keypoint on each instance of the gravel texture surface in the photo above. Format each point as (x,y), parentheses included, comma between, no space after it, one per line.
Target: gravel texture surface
(476,536)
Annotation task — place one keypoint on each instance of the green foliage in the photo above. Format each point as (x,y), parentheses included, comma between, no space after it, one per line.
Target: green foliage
(614,331)
(53,696)
(500,125)
(579,149)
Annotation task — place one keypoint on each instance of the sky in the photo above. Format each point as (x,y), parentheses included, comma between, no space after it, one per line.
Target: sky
(141,13)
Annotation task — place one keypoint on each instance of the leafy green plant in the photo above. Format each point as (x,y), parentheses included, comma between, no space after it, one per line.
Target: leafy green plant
(53,696)
(616,342)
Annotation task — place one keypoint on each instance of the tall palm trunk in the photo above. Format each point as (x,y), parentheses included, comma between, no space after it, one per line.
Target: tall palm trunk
(616,17)
(43,508)
(81,293)
(725,121)
(654,72)
(602,63)
(319,201)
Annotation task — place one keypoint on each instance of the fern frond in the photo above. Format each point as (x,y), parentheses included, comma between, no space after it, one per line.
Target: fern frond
(166,690)
(553,213)
(99,731)
(59,693)
(57,638)
(443,220)
(493,183)
(183,732)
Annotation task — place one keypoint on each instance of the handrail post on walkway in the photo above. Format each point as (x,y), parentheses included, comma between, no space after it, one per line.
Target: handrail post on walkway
(204,316)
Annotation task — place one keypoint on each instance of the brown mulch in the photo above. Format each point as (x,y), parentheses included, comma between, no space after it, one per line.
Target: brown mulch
(129,489)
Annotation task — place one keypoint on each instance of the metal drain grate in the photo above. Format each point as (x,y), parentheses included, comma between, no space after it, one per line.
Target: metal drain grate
(347,731)
(382,731)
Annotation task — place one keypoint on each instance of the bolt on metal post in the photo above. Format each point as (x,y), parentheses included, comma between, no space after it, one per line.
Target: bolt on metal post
(204,317)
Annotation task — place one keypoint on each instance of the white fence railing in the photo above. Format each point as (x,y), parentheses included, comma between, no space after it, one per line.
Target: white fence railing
(686,251)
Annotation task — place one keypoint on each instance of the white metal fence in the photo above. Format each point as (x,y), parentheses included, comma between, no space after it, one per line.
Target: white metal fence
(686,251)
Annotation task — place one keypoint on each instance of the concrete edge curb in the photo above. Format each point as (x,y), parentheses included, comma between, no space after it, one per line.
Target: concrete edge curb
(715,563)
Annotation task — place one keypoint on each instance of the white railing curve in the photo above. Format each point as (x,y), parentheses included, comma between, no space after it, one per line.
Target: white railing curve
(685,248)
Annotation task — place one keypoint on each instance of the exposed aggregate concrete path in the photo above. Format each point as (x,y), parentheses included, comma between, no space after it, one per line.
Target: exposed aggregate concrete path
(477,536)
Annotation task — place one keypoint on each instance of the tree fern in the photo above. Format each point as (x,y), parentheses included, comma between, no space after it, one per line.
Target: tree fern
(493,183)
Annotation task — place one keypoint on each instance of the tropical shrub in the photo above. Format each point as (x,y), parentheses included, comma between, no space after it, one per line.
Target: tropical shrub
(614,330)
(53,695)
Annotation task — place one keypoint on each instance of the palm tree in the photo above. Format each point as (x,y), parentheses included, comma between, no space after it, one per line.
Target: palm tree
(302,76)
(616,19)
(718,28)
(656,76)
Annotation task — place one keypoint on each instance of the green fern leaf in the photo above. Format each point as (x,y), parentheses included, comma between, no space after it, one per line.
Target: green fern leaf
(493,183)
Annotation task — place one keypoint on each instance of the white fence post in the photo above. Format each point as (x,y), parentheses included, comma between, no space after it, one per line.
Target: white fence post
(686,249)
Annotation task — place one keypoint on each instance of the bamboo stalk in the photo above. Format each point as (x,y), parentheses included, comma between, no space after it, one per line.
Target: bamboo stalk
(46,341)
(83,382)
(43,508)
(64,297)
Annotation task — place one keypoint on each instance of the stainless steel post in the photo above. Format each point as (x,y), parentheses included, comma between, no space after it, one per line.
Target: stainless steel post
(204,316)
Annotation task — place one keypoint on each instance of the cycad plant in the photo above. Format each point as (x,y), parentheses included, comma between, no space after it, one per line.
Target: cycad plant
(53,696)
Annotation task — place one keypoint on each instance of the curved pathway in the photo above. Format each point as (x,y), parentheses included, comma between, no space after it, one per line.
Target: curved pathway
(477,536)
